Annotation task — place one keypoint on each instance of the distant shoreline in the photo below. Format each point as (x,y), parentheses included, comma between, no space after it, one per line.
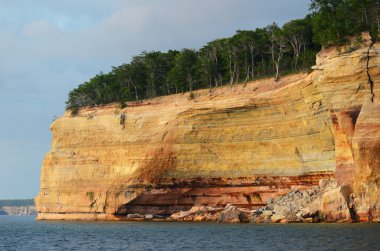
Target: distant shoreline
(17,207)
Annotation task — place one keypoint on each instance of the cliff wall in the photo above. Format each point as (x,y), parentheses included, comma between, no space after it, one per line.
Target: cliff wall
(241,145)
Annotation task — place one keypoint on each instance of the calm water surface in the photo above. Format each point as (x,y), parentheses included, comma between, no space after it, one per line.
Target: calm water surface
(24,233)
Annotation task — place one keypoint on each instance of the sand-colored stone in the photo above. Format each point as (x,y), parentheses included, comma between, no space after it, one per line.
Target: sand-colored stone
(241,145)
(366,145)
(277,218)
(335,204)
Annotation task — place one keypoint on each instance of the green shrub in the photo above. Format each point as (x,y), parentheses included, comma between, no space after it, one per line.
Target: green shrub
(74,111)
(191,96)
(122,104)
(90,195)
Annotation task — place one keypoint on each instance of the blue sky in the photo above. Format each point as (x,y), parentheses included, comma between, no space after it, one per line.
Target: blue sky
(49,47)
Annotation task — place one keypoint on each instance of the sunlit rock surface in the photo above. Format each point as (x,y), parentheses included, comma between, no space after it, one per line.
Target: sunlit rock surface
(239,145)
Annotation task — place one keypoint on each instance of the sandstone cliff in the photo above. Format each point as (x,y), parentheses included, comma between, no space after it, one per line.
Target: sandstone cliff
(241,145)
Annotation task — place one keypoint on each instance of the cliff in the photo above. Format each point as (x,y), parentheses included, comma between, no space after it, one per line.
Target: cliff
(241,145)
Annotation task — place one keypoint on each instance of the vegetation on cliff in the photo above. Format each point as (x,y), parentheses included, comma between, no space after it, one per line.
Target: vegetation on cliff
(247,55)
(335,20)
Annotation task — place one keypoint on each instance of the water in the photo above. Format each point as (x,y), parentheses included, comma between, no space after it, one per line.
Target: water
(24,233)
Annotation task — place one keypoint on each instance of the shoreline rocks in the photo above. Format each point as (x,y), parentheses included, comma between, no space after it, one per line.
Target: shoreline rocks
(327,202)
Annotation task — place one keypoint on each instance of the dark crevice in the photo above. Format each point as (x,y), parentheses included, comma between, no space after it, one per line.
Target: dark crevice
(371,83)
(352,209)
(93,203)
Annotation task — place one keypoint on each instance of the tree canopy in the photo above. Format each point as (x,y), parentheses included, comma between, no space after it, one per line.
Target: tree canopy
(335,20)
(247,55)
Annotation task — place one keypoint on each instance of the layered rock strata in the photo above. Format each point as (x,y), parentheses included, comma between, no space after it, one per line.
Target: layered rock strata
(239,145)
(323,203)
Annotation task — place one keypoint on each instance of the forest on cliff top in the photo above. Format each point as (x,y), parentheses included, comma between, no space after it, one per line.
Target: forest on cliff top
(247,55)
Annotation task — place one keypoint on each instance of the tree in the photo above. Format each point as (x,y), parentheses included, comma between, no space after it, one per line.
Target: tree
(212,62)
(336,20)
(296,32)
(277,46)
(136,74)
(132,77)
(366,13)
(246,55)
(228,48)
(208,59)
(184,69)
(158,65)
(249,46)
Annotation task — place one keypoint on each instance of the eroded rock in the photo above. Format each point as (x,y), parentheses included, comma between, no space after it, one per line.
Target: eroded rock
(135,216)
(276,218)
(233,146)
(335,204)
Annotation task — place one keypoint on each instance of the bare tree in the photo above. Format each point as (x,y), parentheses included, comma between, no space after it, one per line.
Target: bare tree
(294,33)
(277,46)
(82,99)
(231,47)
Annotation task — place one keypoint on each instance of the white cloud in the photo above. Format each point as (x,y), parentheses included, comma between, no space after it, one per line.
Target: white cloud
(39,28)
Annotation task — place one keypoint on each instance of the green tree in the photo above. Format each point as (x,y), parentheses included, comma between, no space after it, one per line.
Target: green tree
(249,47)
(336,20)
(297,33)
(213,62)
(185,70)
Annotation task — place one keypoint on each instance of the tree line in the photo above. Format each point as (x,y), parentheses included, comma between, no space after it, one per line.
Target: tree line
(245,56)
(16,203)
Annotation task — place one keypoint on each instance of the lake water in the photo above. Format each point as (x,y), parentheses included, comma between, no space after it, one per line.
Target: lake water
(24,233)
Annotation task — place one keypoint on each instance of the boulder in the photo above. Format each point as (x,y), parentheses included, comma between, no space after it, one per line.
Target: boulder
(212,217)
(230,214)
(376,220)
(135,216)
(327,184)
(198,213)
(283,221)
(276,218)
(292,218)
(312,209)
(307,220)
(245,217)
(267,214)
(189,217)
(335,204)
(179,215)
(282,209)
(199,218)
(258,219)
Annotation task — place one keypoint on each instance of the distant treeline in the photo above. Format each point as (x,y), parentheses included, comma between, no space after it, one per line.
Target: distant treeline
(247,55)
(16,203)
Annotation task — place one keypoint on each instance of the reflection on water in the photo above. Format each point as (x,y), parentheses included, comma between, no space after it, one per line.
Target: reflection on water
(24,233)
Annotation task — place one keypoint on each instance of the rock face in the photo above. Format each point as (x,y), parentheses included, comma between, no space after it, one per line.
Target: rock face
(328,202)
(237,145)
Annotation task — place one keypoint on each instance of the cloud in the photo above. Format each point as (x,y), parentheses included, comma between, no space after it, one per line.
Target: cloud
(40,28)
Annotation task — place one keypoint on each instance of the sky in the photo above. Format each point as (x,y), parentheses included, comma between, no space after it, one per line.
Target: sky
(47,48)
